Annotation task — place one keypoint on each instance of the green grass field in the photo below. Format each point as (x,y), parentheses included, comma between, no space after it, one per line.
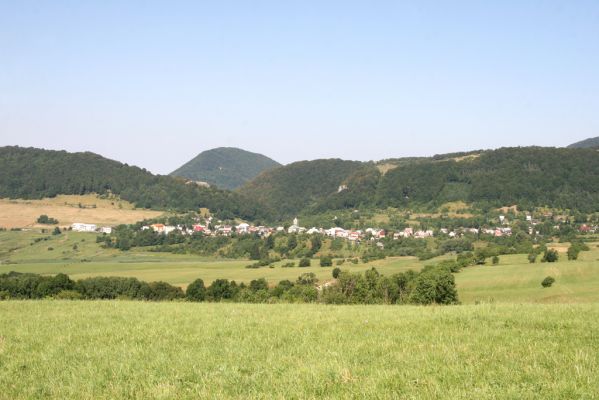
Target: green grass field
(513,280)
(113,350)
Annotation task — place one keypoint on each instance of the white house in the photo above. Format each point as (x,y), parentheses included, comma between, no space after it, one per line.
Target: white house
(81,227)
(106,229)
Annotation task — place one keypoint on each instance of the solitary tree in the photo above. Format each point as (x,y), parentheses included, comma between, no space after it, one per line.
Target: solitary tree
(550,256)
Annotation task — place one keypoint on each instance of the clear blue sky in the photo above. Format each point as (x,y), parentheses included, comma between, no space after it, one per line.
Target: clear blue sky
(154,83)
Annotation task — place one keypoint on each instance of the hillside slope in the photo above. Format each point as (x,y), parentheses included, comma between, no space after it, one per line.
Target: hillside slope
(31,173)
(290,189)
(528,176)
(225,167)
(591,142)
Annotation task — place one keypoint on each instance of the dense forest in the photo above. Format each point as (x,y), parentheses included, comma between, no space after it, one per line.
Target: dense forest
(527,176)
(225,167)
(288,190)
(31,173)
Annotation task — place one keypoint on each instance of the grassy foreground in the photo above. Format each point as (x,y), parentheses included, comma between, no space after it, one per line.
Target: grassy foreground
(111,350)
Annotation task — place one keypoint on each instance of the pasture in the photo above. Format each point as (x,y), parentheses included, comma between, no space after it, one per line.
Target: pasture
(135,350)
(68,209)
(513,280)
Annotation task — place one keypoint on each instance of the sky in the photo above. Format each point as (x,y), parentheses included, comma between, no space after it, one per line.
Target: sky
(155,83)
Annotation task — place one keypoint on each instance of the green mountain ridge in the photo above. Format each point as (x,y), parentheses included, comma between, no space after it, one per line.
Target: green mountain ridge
(225,167)
(566,178)
(31,173)
(587,143)
(526,176)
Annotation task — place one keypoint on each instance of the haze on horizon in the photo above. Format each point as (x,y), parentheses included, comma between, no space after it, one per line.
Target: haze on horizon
(153,84)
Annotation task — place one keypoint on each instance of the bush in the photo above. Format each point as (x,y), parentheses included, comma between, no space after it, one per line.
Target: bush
(336,273)
(532,258)
(435,286)
(221,289)
(308,278)
(56,231)
(548,281)
(304,262)
(288,265)
(196,291)
(550,256)
(495,260)
(326,261)
(161,291)
(45,220)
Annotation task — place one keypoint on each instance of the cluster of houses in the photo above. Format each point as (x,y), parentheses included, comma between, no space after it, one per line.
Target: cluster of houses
(335,232)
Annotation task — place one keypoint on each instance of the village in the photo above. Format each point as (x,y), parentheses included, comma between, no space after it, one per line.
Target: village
(208,229)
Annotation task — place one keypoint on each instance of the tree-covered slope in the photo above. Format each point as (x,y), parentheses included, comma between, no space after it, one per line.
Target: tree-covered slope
(591,142)
(225,167)
(31,173)
(527,176)
(290,189)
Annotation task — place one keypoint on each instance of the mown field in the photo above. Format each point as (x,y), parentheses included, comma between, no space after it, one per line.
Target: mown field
(114,350)
(68,209)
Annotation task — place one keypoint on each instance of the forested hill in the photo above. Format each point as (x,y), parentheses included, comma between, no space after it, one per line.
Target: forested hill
(528,176)
(31,173)
(225,167)
(591,142)
(290,189)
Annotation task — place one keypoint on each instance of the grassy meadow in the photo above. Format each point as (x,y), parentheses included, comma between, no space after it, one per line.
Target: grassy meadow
(68,209)
(513,280)
(112,350)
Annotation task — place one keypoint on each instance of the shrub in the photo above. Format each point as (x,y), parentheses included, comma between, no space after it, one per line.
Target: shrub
(495,260)
(288,265)
(532,258)
(326,261)
(548,281)
(550,256)
(304,262)
(196,291)
(56,231)
(221,289)
(161,291)
(336,273)
(573,253)
(434,286)
(308,278)
(44,219)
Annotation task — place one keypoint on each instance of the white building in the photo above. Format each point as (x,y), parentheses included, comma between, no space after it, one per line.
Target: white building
(81,227)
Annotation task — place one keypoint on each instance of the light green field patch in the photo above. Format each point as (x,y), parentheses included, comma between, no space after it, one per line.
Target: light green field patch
(123,350)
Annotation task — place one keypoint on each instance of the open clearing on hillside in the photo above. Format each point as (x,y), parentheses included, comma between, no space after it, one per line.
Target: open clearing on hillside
(70,209)
(115,350)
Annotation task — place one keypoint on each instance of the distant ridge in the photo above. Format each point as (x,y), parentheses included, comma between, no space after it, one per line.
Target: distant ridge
(225,167)
(591,142)
(30,173)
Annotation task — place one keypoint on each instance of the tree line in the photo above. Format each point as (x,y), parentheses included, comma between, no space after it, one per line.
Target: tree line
(433,285)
